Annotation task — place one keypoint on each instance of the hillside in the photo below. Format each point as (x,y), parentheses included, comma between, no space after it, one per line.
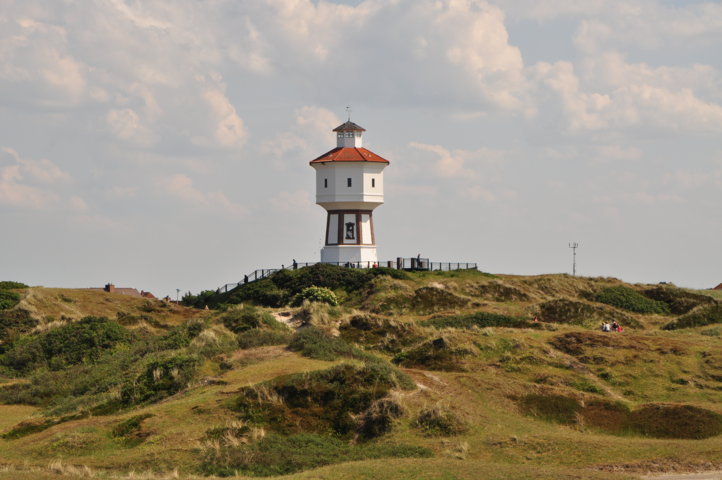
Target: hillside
(412,375)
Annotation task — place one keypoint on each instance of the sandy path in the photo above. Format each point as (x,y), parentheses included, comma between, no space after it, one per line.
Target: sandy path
(685,476)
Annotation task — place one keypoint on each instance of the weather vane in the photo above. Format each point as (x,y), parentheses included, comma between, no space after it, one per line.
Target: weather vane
(348,110)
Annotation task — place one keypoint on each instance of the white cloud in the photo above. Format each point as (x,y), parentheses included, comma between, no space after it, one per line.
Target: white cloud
(27,183)
(181,187)
(292,202)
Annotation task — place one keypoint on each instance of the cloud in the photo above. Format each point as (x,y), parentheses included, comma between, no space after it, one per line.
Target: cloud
(28,183)
(635,97)
(181,186)
(455,163)
(292,202)
(308,135)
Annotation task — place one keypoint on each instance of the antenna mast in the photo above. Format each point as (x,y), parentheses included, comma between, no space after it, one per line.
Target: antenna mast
(574,246)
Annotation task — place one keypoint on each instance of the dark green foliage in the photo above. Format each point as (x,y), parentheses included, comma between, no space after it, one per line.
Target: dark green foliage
(438,421)
(130,429)
(8,299)
(14,323)
(33,426)
(438,354)
(281,287)
(675,421)
(9,285)
(249,317)
(79,342)
(178,337)
(313,342)
(207,298)
(699,317)
(326,401)
(389,335)
(379,418)
(553,408)
(258,338)
(282,455)
(629,299)
(479,319)
(572,312)
(162,377)
(315,294)
(679,301)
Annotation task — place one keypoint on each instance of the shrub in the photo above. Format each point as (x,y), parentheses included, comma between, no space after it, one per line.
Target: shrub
(9,285)
(282,455)
(443,353)
(129,427)
(480,319)
(249,317)
(313,342)
(438,421)
(553,408)
(258,338)
(675,421)
(207,298)
(679,301)
(389,335)
(379,418)
(213,341)
(335,400)
(12,324)
(162,377)
(699,317)
(315,294)
(180,336)
(71,344)
(629,299)
(8,299)
(572,312)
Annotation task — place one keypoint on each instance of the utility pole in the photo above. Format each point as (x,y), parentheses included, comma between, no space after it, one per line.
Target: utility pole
(574,246)
(177,295)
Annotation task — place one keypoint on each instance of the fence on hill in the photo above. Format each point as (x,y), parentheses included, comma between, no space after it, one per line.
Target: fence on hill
(414,264)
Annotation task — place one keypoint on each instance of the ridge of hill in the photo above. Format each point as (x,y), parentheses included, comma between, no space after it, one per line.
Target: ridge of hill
(412,375)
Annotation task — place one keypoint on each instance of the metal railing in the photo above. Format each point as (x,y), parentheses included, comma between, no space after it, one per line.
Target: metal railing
(413,263)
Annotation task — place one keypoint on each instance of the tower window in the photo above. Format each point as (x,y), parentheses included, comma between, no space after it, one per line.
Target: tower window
(348,182)
(349,134)
(325,183)
(373,182)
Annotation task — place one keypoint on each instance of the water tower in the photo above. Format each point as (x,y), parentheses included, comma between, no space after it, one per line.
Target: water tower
(349,185)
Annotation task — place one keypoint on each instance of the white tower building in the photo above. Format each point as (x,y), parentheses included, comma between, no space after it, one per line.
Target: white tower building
(349,185)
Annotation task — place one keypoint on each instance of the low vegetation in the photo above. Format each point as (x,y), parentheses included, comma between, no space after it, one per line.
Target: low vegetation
(411,375)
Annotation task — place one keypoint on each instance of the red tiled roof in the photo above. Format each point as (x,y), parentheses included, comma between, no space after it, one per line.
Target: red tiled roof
(349,154)
(718,287)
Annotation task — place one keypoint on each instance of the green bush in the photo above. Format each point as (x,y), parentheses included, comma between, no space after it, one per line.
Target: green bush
(438,421)
(130,429)
(79,342)
(479,319)
(12,324)
(282,455)
(675,421)
(258,338)
(207,298)
(336,400)
(631,300)
(313,342)
(249,317)
(9,285)
(679,301)
(8,299)
(699,317)
(315,294)
(553,408)
(162,378)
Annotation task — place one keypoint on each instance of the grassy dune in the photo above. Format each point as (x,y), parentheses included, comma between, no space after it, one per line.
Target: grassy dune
(497,393)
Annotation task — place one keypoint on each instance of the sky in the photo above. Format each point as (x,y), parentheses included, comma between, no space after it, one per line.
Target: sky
(165,144)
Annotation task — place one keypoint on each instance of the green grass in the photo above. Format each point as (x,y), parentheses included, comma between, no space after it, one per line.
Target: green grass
(629,299)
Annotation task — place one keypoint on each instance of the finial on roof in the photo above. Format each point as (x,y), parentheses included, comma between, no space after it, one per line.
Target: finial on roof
(348,111)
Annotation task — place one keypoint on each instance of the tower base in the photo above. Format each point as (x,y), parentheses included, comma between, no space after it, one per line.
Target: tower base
(349,254)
